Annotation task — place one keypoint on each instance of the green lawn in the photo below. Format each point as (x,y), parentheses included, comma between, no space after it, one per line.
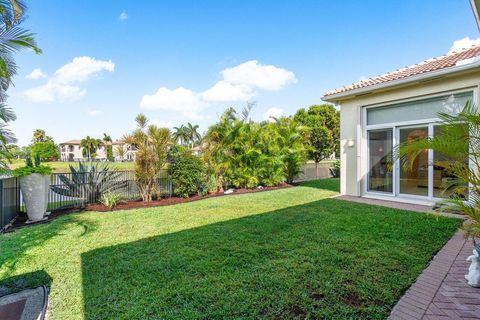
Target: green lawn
(59,166)
(290,253)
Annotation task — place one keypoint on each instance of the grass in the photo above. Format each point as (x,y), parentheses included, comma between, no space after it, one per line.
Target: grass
(289,253)
(59,166)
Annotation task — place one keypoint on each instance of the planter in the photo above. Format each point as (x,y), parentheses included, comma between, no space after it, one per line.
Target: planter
(34,189)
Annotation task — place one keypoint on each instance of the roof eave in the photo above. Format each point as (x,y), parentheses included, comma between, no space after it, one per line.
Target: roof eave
(476,8)
(337,97)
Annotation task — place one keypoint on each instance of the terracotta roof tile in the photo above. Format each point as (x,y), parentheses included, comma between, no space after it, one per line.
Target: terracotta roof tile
(430,65)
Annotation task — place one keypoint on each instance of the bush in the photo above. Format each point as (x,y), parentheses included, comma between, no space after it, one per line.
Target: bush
(111,200)
(187,173)
(47,151)
(335,169)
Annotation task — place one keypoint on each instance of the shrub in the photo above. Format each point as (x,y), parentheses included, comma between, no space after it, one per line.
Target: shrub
(111,200)
(46,150)
(187,172)
(31,167)
(335,169)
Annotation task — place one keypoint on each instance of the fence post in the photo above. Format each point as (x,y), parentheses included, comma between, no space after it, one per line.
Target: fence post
(2,204)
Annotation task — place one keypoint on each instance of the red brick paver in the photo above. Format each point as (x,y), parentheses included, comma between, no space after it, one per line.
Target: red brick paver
(441,291)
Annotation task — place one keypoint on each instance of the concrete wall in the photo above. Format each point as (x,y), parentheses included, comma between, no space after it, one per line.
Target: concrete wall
(323,171)
(353,159)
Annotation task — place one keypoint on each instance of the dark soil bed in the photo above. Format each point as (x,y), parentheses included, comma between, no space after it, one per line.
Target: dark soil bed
(175,200)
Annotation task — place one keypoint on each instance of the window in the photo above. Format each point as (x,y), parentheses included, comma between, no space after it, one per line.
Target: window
(418,110)
(380,174)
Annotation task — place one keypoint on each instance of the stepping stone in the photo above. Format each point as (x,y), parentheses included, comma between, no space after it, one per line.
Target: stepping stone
(30,304)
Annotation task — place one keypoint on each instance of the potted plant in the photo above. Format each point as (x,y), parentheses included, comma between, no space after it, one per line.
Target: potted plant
(34,185)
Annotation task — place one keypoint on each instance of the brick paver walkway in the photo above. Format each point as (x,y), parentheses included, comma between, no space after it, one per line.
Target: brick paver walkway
(441,291)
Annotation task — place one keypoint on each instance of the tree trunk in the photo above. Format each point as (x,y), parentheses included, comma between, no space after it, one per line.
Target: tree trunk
(316,170)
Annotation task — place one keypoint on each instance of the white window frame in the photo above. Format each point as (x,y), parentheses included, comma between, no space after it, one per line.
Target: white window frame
(365,154)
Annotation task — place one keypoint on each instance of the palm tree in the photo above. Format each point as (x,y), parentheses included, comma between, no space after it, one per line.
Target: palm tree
(120,152)
(107,142)
(12,39)
(152,145)
(89,147)
(180,134)
(193,137)
(458,150)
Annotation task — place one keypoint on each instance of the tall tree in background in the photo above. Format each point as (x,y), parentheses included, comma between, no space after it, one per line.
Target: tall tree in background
(323,122)
(89,147)
(107,142)
(193,135)
(12,39)
(39,135)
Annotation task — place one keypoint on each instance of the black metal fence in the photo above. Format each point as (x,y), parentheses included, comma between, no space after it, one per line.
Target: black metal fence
(10,200)
(75,190)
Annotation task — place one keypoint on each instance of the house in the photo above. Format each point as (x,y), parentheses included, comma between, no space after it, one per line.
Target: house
(379,113)
(71,151)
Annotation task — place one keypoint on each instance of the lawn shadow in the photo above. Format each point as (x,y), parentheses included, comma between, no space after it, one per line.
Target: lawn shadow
(324,259)
(25,281)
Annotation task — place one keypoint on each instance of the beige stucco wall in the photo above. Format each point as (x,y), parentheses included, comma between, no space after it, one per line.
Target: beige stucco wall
(353,159)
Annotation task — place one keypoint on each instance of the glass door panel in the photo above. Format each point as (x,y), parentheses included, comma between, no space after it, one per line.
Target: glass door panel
(414,181)
(442,179)
(379,173)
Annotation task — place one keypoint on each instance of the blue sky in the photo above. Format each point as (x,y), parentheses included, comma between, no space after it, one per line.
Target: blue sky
(103,62)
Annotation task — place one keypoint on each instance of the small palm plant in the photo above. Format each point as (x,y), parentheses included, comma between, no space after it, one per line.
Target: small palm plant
(459,147)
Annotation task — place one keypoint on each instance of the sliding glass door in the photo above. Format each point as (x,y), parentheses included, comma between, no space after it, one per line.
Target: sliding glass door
(413,178)
(380,144)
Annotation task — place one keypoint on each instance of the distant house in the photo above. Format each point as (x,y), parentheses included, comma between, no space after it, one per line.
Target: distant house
(71,151)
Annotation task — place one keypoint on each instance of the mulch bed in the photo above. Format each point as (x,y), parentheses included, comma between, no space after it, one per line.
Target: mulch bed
(21,219)
(176,200)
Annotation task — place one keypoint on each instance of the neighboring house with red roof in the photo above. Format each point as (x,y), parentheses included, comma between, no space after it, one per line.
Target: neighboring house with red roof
(379,113)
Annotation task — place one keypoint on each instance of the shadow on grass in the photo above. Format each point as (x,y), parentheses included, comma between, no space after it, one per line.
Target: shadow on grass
(25,281)
(324,259)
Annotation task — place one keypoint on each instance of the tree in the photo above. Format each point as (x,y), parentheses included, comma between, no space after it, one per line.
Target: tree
(46,150)
(152,145)
(457,152)
(192,134)
(39,135)
(323,122)
(180,135)
(107,142)
(120,152)
(12,39)
(89,147)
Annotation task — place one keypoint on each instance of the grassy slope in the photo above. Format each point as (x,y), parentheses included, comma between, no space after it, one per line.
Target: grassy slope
(281,254)
(59,166)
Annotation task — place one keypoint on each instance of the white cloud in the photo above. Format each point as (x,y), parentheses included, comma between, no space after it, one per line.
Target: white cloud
(123,16)
(262,76)
(463,44)
(273,112)
(162,124)
(94,113)
(239,83)
(64,84)
(178,100)
(223,91)
(36,74)
(82,68)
